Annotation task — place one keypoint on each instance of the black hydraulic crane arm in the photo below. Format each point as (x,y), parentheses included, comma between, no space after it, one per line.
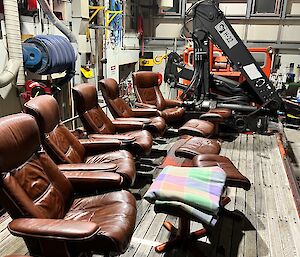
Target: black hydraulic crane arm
(210,22)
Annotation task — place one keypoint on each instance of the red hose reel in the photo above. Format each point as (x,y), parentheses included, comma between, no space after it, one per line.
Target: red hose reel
(34,89)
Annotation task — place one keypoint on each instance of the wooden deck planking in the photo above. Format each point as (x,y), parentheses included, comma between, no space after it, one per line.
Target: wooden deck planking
(262,225)
(226,225)
(289,224)
(250,208)
(269,225)
(240,193)
(275,248)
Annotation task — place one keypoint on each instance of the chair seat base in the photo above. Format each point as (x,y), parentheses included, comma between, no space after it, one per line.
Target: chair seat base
(178,239)
(182,234)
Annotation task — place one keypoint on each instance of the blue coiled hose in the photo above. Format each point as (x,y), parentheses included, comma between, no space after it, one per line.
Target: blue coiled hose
(116,24)
(58,54)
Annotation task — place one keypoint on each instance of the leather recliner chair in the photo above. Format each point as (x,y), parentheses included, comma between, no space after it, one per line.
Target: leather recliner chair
(146,86)
(96,122)
(120,109)
(64,148)
(43,202)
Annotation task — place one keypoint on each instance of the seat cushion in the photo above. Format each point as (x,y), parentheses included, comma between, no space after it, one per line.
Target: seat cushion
(234,177)
(172,114)
(198,128)
(113,212)
(198,145)
(123,159)
(143,141)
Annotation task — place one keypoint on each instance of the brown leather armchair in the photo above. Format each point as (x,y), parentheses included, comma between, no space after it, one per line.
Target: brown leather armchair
(63,147)
(95,121)
(121,110)
(146,86)
(46,210)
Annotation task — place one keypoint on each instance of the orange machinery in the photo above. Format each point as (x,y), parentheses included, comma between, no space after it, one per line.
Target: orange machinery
(220,65)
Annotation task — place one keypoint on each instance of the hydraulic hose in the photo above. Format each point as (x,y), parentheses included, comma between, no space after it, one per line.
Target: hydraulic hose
(10,72)
(59,24)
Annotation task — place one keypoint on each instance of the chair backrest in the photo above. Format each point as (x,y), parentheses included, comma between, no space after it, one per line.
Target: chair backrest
(117,106)
(59,142)
(146,87)
(91,114)
(31,183)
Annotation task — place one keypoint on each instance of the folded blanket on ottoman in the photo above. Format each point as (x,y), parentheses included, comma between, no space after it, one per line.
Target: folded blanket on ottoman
(198,188)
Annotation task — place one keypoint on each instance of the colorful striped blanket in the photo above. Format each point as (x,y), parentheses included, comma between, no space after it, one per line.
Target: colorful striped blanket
(198,188)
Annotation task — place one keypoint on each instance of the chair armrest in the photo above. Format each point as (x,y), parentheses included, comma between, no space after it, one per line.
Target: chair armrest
(16,256)
(95,146)
(143,105)
(145,112)
(173,103)
(86,181)
(144,120)
(53,228)
(212,117)
(124,139)
(111,167)
(123,126)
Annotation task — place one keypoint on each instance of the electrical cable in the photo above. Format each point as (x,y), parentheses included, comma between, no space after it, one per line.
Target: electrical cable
(197,78)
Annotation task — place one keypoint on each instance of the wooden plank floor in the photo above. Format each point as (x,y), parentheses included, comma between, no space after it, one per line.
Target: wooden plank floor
(262,221)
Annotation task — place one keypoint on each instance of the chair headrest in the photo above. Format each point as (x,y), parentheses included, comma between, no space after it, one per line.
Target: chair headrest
(110,87)
(146,79)
(85,97)
(19,139)
(46,111)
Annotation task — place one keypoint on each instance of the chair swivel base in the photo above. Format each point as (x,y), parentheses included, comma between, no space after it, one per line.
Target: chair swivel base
(182,234)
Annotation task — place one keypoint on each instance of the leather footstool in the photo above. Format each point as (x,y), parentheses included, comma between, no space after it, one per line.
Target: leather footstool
(233,176)
(198,128)
(207,125)
(198,145)
(191,194)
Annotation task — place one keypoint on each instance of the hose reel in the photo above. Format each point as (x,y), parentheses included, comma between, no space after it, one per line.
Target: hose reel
(48,54)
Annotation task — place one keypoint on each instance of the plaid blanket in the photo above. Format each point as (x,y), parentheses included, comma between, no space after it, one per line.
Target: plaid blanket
(199,188)
(193,213)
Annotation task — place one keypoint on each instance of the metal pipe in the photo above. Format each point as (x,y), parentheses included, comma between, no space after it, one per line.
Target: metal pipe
(238,107)
(56,22)
(10,72)
(13,34)
(70,119)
